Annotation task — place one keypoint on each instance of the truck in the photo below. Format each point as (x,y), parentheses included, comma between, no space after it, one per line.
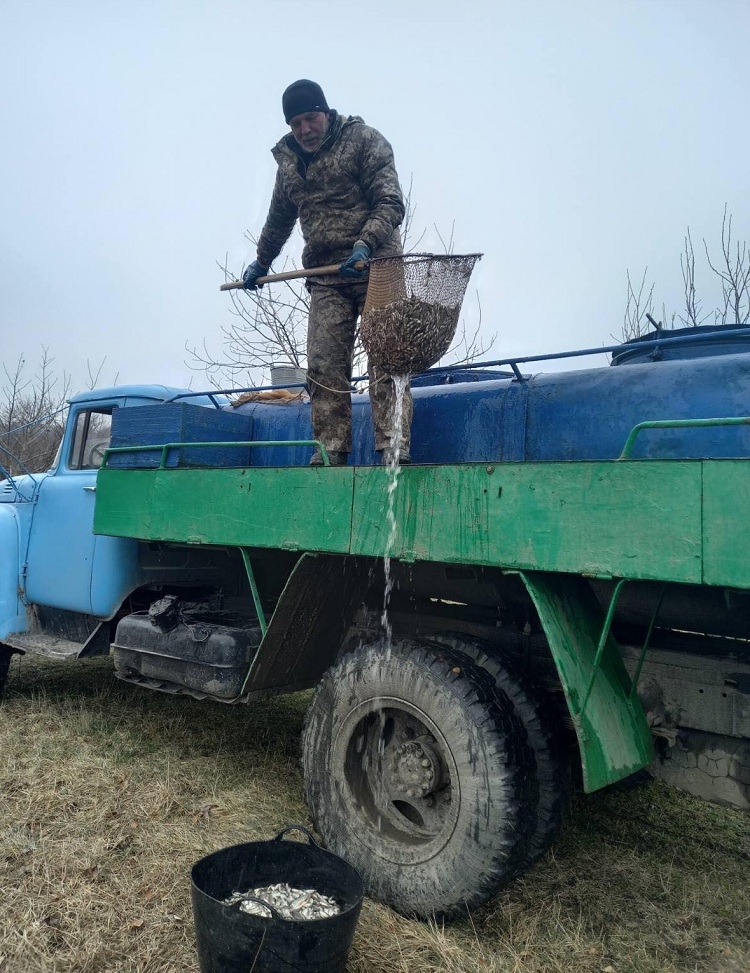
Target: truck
(554,594)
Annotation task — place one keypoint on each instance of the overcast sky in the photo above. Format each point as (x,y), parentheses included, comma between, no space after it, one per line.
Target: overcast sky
(567,140)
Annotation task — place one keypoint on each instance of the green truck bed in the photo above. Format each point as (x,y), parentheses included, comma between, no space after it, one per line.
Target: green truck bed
(685,521)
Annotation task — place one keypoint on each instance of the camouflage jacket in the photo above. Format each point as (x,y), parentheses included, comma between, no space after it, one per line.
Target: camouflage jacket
(348,191)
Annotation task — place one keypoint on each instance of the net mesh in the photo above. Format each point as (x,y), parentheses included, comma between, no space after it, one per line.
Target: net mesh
(412,308)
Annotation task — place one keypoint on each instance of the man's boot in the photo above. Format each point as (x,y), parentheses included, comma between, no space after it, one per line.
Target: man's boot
(335,458)
(391,456)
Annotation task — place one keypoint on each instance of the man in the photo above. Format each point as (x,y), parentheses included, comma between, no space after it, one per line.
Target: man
(337,176)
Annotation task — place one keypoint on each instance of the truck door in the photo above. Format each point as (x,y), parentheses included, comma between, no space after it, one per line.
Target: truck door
(62,545)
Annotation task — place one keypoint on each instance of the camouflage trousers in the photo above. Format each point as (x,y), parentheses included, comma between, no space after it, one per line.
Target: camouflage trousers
(331,332)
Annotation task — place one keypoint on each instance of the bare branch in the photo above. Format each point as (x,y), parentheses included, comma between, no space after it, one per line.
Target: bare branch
(30,414)
(637,308)
(693,308)
(734,276)
(469,345)
(447,247)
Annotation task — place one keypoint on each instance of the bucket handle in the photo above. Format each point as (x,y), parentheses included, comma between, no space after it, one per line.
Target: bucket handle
(275,914)
(297,827)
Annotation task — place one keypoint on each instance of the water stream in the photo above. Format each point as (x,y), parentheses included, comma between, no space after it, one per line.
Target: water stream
(400,385)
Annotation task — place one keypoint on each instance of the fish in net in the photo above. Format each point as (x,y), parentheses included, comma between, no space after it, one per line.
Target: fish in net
(412,309)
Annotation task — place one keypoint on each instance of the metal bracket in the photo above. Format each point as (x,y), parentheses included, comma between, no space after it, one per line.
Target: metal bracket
(602,641)
(642,656)
(254,589)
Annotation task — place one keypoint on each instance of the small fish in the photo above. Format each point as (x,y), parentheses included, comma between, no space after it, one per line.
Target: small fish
(290,903)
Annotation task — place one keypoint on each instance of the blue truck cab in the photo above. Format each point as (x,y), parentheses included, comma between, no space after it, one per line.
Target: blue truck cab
(59,582)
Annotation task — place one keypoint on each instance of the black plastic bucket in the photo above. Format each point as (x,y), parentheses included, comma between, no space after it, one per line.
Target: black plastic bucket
(231,941)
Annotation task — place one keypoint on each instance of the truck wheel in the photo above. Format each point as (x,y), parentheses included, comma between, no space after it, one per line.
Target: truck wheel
(417,772)
(544,731)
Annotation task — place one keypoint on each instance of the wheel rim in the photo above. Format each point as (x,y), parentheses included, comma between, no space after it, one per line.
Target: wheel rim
(400,777)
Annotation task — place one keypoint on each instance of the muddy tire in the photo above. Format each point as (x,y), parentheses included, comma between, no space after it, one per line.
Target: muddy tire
(417,772)
(544,732)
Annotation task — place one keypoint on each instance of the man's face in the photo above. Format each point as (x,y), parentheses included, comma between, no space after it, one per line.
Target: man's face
(310,129)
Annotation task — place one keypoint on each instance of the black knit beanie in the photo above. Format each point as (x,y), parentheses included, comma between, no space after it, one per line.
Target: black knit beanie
(301,97)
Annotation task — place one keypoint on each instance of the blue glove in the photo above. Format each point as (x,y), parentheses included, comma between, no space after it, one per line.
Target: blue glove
(360,252)
(252,272)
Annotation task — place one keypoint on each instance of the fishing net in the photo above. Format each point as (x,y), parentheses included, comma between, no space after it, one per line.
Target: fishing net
(412,309)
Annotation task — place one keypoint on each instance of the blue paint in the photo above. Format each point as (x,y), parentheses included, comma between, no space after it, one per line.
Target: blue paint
(180,422)
(61,548)
(141,395)
(60,562)
(577,415)
(683,343)
(11,534)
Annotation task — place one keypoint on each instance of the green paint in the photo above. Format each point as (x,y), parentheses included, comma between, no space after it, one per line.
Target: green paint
(604,519)
(290,508)
(642,519)
(254,590)
(677,424)
(613,736)
(603,639)
(726,523)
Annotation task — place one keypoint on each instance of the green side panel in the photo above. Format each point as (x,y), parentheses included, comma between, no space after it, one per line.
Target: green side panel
(623,519)
(293,508)
(726,523)
(613,735)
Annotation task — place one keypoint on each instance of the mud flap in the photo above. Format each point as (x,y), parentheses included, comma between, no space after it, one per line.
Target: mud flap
(309,622)
(613,736)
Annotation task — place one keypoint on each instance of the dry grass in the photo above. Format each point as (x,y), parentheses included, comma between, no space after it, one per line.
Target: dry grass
(109,794)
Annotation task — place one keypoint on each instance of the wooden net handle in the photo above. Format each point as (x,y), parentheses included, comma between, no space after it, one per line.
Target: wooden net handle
(292,275)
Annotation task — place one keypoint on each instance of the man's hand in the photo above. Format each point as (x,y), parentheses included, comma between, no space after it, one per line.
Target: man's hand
(361,252)
(252,272)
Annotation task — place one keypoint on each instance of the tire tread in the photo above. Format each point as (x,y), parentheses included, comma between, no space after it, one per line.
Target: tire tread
(491,855)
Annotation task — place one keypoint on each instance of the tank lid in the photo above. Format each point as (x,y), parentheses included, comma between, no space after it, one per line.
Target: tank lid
(670,344)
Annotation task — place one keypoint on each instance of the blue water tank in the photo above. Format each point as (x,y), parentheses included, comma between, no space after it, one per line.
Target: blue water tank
(579,415)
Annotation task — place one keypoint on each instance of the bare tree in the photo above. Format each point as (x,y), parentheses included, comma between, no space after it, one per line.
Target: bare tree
(734,276)
(638,308)
(693,308)
(32,413)
(31,419)
(269,327)
(733,270)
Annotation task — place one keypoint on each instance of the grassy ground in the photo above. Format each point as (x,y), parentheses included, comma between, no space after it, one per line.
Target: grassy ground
(109,794)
